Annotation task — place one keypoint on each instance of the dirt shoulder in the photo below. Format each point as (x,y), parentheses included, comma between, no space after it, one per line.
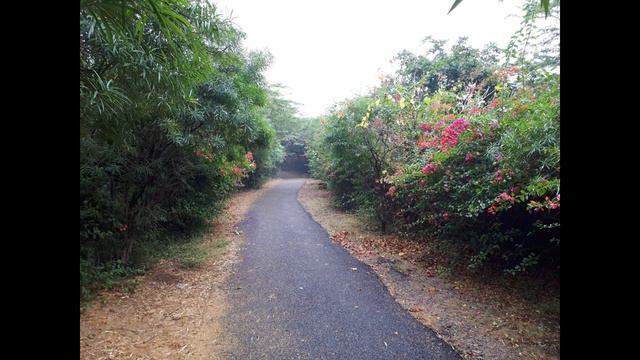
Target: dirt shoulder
(174,312)
(480,319)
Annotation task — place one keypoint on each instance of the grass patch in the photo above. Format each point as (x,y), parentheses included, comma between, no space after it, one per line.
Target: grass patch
(193,254)
(189,253)
(113,276)
(551,308)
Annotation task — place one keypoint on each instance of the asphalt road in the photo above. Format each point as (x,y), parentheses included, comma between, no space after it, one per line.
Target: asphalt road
(295,295)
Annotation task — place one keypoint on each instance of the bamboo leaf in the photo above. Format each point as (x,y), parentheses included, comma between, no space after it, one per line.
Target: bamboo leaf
(455,4)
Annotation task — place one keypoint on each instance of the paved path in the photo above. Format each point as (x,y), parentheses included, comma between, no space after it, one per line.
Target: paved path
(295,295)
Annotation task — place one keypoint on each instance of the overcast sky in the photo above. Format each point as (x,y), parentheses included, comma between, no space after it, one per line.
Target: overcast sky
(326,51)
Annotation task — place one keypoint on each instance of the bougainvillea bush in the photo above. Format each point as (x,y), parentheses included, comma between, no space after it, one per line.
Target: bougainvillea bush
(476,165)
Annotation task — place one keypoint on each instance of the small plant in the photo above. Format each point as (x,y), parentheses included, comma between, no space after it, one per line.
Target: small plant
(194,253)
(551,308)
(129,286)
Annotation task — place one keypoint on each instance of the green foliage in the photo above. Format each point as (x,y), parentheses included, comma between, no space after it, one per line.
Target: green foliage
(171,122)
(190,254)
(544,6)
(292,132)
(456,148)
(108,277)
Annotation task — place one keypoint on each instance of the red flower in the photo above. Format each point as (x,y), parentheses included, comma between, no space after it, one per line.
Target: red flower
(507,197)
(451,134)
(445,216)
(429,168)
(236,170)
(426,127)
(392,191)
(123,228)
(492,210)
(423,183)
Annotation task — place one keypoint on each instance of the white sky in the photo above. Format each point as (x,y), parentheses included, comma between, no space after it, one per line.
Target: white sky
(326,51)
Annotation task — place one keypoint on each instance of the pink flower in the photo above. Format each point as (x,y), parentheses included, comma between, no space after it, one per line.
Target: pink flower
(492,210)
(451,134)
(499,157)
(377,122)
(554,205)
(423,183)
(445,216)
(422,145)
(123,228)
(392,191)
(505,196)
(498,176)
(426,127)
(558,197)
(468,157)
(249,156)
(236,170)
(429,168)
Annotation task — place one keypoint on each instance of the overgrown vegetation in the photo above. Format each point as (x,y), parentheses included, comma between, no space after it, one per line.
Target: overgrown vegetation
(461,146)
(172,120)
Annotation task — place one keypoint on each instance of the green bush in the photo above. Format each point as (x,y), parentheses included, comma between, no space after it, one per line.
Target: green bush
(172,122)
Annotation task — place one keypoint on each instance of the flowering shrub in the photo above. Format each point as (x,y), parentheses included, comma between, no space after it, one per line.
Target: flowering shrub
(481,173)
